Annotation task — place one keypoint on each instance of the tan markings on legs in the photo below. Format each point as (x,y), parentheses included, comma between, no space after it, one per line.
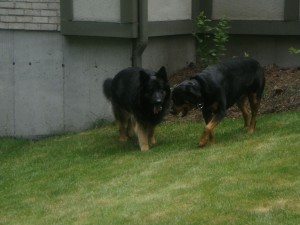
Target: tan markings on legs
(184,108)
(122,132)
(242,104)
(211,138)
(208,132)
(254,105)
(152,140)
(122,118)
(130,126)
(143,137)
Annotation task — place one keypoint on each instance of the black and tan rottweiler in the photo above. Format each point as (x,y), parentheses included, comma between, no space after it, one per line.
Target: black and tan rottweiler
(140,99)
(219,87)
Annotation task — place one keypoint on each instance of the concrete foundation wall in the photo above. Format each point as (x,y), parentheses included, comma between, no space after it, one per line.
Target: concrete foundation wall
(51,84)
(266,49)
(173,52)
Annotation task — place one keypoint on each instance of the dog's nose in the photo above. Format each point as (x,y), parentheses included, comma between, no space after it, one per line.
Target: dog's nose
(158,101)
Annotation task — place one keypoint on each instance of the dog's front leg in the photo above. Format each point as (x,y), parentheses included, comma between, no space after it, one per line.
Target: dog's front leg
(122,131)
(152,139)
(208,129)
(207,115)
(143,136)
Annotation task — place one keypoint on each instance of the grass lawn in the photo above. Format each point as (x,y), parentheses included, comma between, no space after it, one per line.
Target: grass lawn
(91,178)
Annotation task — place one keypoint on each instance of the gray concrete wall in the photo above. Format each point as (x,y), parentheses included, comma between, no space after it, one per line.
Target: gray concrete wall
(266,49)
(173,52)
(51,84)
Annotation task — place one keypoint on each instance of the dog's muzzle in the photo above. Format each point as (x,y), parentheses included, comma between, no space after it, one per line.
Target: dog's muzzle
(200,106)
(182,112)
(157,108)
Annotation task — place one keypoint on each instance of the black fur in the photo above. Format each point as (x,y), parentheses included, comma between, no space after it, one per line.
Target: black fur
(107,88)
(217,88)
(141,94)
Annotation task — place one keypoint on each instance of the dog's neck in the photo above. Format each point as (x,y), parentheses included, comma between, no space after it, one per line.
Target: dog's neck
(198,80)
(197,83)
(194,81)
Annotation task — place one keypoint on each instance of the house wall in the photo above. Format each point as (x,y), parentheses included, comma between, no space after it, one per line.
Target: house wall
(248,10)
(266,49)
(30,15)
(52,84)
(97,10)
(174,52)
(164,10)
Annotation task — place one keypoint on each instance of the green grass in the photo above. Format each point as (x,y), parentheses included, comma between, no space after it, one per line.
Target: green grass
(90,178)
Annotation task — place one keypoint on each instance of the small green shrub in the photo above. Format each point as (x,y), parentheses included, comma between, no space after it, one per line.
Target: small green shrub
(211,39)
(294,51)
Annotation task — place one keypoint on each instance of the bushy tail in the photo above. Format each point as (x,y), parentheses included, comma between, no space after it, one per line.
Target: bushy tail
(107,88)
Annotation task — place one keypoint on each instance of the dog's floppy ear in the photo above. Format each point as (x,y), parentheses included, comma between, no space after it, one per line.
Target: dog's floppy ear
(144,77)
(162,74)
(193,94)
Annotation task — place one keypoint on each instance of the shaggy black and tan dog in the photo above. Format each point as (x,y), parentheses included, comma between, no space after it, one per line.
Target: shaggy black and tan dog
(219,87)
(140,99)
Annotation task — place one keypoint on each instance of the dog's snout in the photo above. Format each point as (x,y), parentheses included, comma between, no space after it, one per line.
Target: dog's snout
(157,98)
(158,101)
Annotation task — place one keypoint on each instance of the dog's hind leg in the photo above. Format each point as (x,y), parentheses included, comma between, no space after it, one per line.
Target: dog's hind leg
(143,136)
(208,129)
(152,139)
(130,126)
(254,105)
(122,117)
(242,104)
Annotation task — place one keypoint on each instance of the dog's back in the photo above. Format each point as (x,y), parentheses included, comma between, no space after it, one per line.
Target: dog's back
(107,88)
(236,77)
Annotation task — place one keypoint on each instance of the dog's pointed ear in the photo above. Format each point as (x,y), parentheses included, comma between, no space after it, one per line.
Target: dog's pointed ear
(162,73)
(144,77)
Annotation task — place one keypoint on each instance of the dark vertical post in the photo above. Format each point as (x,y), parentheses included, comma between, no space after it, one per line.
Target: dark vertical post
(141,42)
(66,10)
(291,10)
(207,7)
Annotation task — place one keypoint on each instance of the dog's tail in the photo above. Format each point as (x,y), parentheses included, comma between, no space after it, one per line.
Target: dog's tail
(107,88)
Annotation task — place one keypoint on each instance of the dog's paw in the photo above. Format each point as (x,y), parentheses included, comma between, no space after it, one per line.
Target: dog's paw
(144,148)
(204,138)
(202,144)
(250,130)
(152,141)
(123,138)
